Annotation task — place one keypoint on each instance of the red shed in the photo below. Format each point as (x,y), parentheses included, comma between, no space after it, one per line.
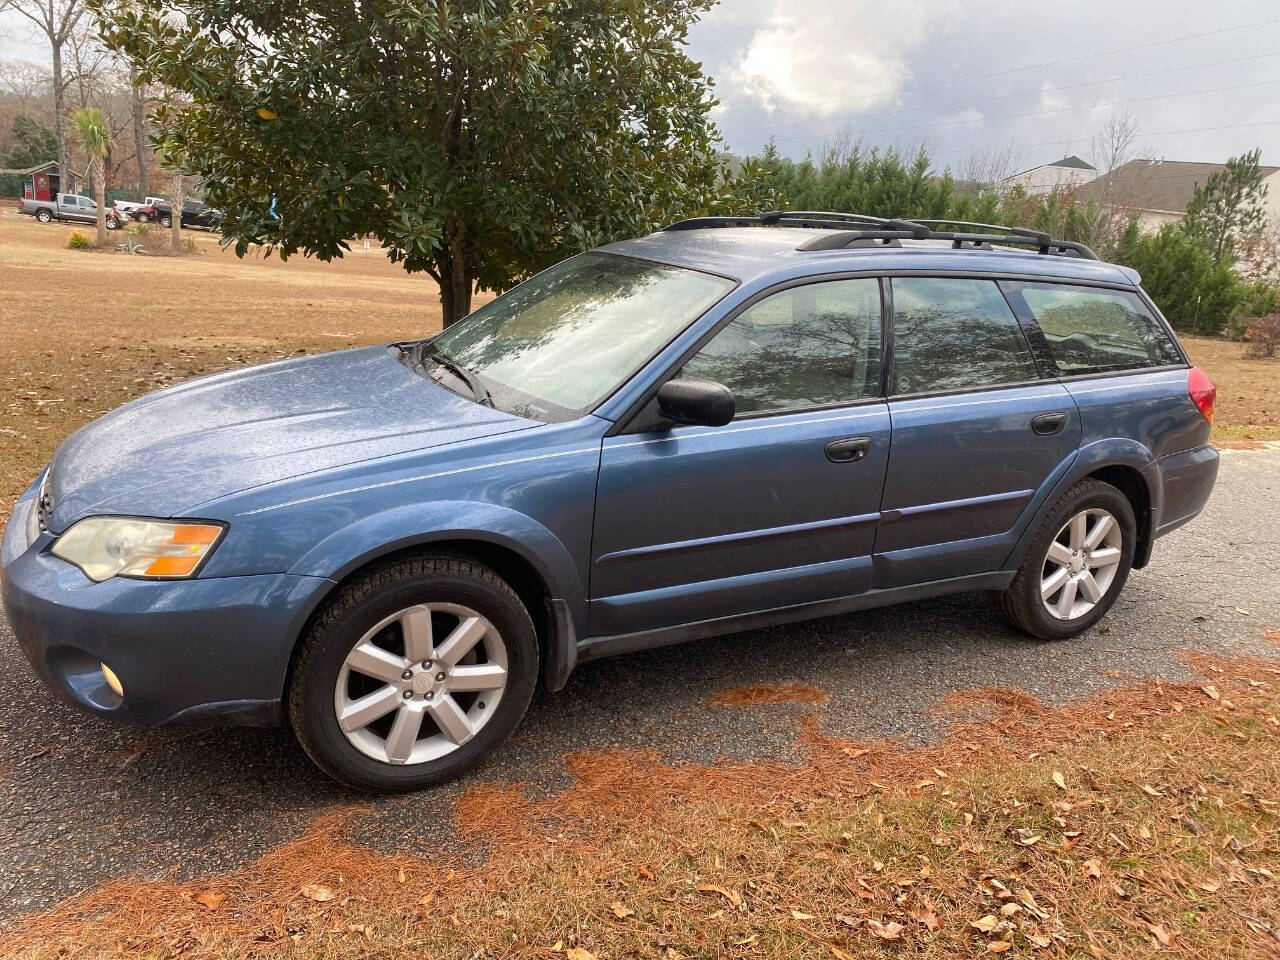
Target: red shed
(38,183)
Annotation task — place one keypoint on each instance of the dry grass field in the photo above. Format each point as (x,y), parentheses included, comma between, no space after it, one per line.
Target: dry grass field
(83,331)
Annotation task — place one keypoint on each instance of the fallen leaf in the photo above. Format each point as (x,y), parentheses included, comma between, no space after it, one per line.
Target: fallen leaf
(1031,840)
(1059,781)
(400,877)
(731,895)
(1164,937)
(1211,692)
(928,918)
(797,915)
(644,873)
(1093,868)
(998,946)
(1009,909)
(621,911)
(885,931)
(318,893)
(577,953)
(210,899)
(1211,886)
(985,924)
(839,954)
(1039,942)
(1151,791)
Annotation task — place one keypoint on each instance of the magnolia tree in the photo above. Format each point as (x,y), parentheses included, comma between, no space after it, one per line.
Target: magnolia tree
(479,142)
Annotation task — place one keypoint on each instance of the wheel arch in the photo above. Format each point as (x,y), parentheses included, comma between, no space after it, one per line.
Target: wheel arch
(1125,464)
(519,549)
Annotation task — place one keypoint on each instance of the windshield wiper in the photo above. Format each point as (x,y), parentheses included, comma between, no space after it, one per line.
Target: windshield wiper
(478,389)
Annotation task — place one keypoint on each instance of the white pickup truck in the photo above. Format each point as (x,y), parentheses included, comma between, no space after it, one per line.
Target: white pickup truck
(131,208)
(67,206)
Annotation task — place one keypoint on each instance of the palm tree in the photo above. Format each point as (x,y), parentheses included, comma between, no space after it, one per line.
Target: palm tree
(91,127)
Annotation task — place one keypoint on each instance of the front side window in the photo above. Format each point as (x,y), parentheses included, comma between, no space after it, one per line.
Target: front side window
(955,334)
(1094,330)
(813,345)
(561,342)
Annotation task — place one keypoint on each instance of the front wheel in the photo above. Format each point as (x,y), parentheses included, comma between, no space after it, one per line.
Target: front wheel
(1076,566)
(144,218)
(44,216)
(413,673)
(166,221)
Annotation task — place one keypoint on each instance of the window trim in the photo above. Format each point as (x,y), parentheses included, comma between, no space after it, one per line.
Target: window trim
(636,410)
(1055,371)
(624,422)
(1017,323)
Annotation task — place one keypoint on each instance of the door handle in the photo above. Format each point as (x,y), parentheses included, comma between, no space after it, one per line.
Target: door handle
(849,450)
(1048,424)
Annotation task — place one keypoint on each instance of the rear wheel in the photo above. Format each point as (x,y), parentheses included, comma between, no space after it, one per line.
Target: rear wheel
(413,673)
(44,216)
(144,218)
(1076,566)
(166,221)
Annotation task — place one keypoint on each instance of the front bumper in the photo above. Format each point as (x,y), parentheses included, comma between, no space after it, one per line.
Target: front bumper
(203,650)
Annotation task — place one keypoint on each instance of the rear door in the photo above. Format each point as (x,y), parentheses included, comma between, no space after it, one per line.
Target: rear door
(976,431)
(778,507)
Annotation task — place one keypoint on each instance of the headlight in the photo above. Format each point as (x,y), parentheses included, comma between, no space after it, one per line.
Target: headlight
(106,547)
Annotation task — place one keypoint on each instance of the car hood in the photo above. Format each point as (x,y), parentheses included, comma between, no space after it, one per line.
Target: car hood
(172,450)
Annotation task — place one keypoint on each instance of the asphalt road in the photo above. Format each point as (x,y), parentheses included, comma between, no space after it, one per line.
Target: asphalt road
(83,800)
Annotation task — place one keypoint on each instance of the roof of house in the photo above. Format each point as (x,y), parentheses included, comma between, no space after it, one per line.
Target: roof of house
(23,173)
(1166,185)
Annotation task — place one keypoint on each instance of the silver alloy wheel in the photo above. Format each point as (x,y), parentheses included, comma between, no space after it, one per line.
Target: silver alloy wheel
(1081,564)
(403,698)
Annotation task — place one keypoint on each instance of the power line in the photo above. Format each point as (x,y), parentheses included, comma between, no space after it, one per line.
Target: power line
(1053,63)
(1156,133)
(1040,113)
(1007,96)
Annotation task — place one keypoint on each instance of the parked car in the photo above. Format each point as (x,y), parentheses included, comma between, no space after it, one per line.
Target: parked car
(66,206)
(194,214)
(732,423)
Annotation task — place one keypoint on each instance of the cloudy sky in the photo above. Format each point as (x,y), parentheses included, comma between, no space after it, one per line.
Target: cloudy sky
(966,77)
(1037,79)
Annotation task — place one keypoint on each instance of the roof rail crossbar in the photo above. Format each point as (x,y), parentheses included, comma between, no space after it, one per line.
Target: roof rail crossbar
(868,230)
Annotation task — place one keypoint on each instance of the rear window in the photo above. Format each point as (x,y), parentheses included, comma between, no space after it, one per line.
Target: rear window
(955,334)
(1092,330)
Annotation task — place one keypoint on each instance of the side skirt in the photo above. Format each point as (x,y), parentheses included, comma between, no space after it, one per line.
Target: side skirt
(594,648)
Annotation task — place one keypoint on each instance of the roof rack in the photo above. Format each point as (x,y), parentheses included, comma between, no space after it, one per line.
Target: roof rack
(856,230)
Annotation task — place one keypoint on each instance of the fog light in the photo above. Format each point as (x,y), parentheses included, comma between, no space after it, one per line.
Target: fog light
(112,680)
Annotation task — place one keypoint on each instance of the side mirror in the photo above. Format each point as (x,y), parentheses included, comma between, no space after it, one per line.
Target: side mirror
(698,402)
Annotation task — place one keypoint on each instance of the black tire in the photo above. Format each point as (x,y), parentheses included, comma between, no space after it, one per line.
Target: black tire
(166,221)
(144,218)
(1021,604)
(355,609)
(44,216)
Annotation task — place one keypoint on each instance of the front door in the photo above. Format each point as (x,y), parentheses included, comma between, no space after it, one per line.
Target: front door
(778,507)
(976,432)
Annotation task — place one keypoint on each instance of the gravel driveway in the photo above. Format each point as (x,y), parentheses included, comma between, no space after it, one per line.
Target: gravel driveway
(82,800)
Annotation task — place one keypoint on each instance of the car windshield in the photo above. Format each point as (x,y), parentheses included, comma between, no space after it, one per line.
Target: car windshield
(561,342)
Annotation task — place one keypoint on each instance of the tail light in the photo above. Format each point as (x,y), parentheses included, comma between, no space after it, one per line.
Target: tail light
(1202,392)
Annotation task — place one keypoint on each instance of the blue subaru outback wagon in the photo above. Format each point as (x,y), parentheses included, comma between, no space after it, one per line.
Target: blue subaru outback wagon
(731,423)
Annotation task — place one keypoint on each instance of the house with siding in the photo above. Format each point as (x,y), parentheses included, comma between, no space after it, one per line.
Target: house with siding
(1067,172)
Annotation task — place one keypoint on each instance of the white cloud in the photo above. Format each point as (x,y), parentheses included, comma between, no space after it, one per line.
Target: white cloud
(825,57)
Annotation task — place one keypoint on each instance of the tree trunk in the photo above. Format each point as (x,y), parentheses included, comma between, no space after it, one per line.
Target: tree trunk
(60,120)
(139,107)
(98,171)
(455,274)
(177,198)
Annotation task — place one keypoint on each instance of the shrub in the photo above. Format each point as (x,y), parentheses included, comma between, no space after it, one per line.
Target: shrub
(1262,336)
(1196,294)
(78,241)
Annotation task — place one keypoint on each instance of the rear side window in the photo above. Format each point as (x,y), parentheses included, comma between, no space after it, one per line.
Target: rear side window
(813,345)
(955,334)
(1092,330)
